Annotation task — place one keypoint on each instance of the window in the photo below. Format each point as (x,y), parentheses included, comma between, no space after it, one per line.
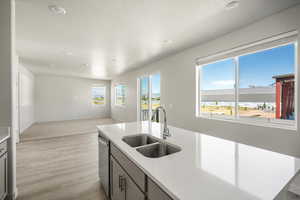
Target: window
(144,98)
(257,86)
(155,91)
(217,89)
(98,95)
(149,95)
(120,95)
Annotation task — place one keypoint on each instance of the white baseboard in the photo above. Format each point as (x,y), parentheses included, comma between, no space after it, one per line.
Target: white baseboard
(28,126)
(16,193)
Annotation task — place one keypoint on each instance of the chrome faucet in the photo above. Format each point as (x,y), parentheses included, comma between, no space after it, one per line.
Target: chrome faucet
(166,132)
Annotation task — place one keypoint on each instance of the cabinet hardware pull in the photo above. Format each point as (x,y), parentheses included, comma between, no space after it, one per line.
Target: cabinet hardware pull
(111,178)
(120,182)
(123,183)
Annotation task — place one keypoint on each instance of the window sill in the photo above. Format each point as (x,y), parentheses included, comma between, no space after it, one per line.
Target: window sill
(120,106)
(253,122)
(99,105)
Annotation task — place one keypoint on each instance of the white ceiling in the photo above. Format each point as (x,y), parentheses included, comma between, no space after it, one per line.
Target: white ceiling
(103,38)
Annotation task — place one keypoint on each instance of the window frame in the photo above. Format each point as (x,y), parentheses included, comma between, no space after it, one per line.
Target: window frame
(235,54)
(125,96)
(99,86)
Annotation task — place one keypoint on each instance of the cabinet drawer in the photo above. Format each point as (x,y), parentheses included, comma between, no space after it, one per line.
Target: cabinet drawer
(134,172)
(3,147)
(155,193)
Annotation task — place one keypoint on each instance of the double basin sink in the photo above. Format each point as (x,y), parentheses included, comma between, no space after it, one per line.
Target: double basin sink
(150,146)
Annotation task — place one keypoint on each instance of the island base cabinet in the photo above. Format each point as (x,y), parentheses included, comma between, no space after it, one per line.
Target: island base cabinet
(122,186)
(3,176)
(155,193)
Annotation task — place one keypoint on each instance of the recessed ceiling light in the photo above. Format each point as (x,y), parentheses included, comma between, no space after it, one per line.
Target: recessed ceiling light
(167,42)
(84,65)
(232,4)
(69,53)
(57,10)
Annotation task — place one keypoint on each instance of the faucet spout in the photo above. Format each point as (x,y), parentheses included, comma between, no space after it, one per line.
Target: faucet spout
(166,132)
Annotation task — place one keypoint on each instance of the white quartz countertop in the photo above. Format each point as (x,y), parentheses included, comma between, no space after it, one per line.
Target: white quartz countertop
(207,167)
(4,134)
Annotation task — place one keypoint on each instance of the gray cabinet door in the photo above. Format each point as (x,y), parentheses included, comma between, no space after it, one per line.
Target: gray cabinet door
(116,174)
(131,169)
(3,176)
(155,192)
(132,191)
(123,187)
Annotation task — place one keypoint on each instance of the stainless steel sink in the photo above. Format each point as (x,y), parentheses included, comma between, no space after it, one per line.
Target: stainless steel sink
(139,140)
(159,149)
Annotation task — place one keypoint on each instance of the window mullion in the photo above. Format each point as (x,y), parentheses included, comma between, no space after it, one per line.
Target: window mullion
(150,96)
(237,85)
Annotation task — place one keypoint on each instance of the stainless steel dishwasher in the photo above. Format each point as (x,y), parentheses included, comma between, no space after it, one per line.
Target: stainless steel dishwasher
(104,162)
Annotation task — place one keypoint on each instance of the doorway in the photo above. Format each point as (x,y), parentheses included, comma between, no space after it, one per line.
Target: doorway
(149,97)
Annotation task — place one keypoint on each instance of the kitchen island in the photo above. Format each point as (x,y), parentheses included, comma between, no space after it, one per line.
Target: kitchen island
(206,167)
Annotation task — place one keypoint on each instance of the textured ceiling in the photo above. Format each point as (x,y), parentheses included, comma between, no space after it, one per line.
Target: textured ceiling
(104,38)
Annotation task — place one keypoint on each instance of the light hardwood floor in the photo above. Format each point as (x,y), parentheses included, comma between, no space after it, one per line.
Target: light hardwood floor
(63,128)
(59,168)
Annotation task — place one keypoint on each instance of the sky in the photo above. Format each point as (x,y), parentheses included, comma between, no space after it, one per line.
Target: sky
(155,84)
(256,69)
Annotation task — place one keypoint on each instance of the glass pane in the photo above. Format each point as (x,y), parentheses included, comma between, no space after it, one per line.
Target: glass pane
(120,95)
(155,91)
(144,98)
(217,88)
(98,95)
(267,84)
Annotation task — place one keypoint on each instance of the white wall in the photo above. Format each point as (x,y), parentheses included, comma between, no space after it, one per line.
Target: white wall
(65,98)
(26,98)
(178,88)
(5,64)
(8,70)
